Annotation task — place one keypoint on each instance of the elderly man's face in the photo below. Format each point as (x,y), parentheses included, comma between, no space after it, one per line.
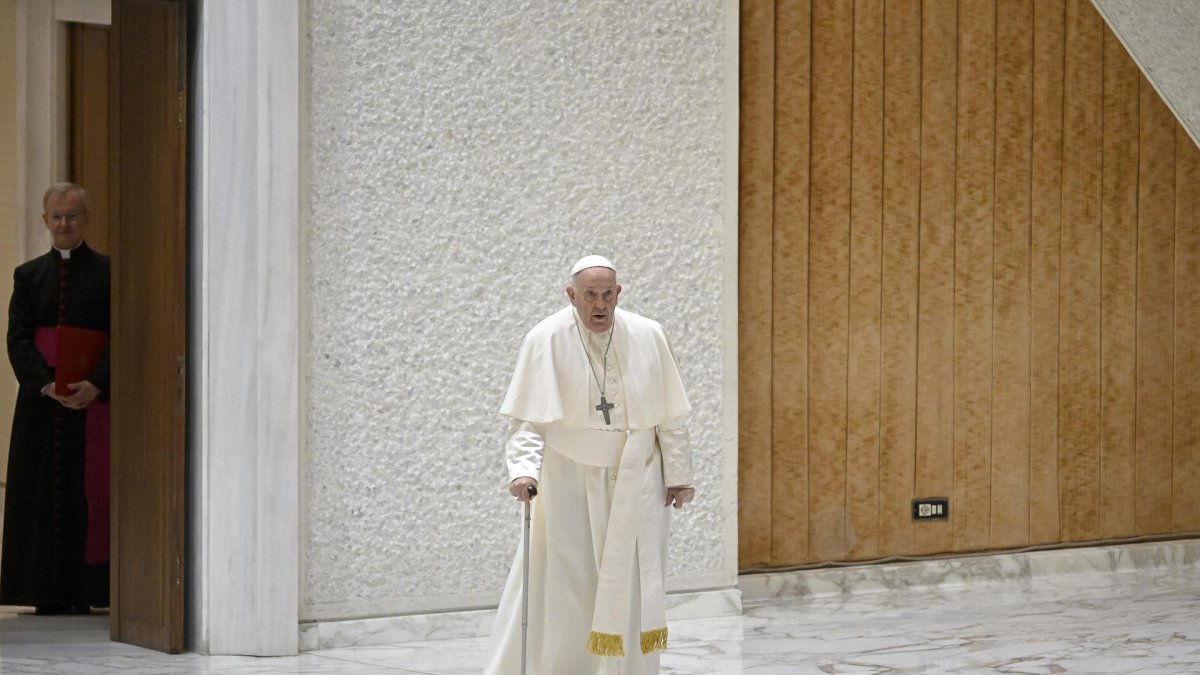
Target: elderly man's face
(66,219)
(594,296)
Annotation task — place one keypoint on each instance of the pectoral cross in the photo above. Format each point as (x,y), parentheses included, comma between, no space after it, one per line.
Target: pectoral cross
(604,407)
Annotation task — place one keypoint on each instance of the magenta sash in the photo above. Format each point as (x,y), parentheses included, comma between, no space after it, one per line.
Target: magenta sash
(95,458)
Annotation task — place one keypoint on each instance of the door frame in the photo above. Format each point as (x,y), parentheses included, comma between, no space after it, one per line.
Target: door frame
(243,472)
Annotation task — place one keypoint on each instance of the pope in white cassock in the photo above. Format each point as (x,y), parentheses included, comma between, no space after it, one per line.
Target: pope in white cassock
(596,413)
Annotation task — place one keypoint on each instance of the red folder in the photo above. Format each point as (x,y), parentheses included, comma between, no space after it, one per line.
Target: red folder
(79,350)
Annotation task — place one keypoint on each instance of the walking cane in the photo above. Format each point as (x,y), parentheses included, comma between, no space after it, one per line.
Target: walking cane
(525,583)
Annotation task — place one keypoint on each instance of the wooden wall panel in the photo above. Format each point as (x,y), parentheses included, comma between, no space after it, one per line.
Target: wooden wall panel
(90,166)
(1186,471)
(935,296)
(1045,268)
(756,132)
(901,229)
(1118,292)
(1155,309)
(1009,508)
(829,242)
(970,268)
(789,339)
(1079,331)
(973,233)
(866,221)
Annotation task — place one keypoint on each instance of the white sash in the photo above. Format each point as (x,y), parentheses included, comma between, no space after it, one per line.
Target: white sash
(626,527)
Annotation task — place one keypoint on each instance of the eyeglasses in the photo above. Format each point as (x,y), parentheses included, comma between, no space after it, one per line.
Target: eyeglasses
(65,217)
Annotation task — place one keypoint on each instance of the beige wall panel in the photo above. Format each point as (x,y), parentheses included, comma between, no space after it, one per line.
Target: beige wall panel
(1186,458)
(935,342)
(789,473)
(866,221)
(833,25)
(10,255)
(1118,290)
(1010,407)
(901,228)
(1045,269)
(973,234)
(1079,346)
(755,172)
(1155,310)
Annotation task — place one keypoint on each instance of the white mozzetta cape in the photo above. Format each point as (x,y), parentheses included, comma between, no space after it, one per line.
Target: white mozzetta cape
(552,378)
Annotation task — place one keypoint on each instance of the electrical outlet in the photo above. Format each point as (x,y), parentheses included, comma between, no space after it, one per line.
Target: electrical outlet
(931,508)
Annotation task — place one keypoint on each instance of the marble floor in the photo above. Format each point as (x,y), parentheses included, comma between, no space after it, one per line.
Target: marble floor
(1146,621)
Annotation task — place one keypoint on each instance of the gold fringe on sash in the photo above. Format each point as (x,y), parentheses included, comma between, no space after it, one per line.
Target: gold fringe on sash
(654,640)
(606,644)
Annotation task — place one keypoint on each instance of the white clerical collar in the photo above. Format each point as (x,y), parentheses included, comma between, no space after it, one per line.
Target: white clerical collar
(66,252)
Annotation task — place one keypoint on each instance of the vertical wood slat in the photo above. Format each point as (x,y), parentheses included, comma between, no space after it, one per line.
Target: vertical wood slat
(789,343)
(756,184)
(935,332)
(901,235)
(1118,291)
(973,256)
(832,44)
(1155,309)
(1009,478)
(1045,269)
(1079,346)
(866,205)
(1186,457)
(116,605)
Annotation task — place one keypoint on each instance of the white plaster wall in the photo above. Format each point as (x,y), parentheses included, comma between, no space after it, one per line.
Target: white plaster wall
(462,155)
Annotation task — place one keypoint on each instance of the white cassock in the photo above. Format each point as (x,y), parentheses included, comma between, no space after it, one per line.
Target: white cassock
(598,539)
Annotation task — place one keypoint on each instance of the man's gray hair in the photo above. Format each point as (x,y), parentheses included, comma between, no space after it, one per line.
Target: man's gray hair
(62,189)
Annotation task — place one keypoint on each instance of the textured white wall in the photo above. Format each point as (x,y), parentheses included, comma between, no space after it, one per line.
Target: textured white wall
(463,154)
(1161,36)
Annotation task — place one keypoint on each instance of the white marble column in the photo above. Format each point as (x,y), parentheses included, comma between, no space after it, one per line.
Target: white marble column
(245,442)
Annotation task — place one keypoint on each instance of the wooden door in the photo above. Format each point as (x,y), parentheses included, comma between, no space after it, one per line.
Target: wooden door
(149,326)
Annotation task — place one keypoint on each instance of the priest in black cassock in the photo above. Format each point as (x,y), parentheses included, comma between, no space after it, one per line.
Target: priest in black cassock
(55,554)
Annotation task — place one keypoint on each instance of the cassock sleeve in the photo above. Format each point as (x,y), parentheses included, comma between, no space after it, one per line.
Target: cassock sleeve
(676,452)
(27,362)
(523,446)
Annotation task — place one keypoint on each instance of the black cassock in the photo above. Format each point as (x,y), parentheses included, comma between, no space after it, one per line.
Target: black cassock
(45,510)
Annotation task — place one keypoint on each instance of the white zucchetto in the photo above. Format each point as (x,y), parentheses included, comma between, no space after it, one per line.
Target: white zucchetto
(592,261)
